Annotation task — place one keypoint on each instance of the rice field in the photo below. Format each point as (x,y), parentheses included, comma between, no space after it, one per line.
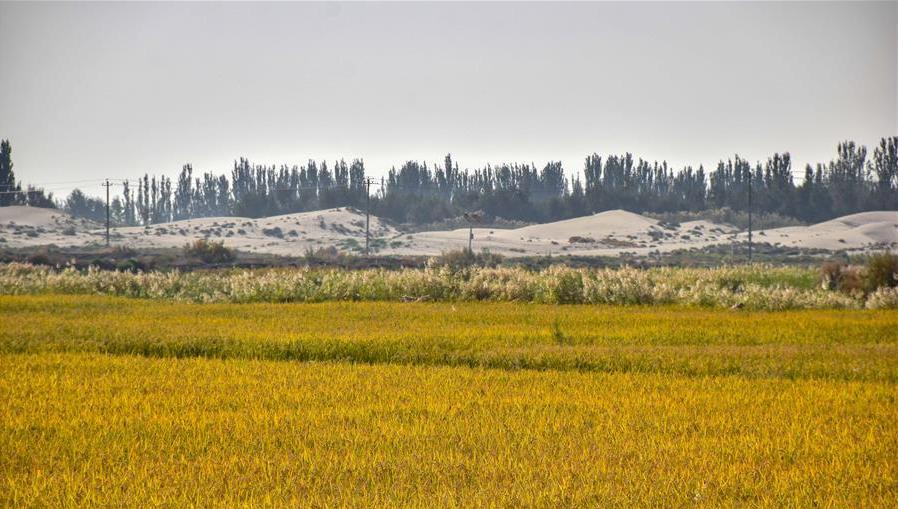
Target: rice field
(115,401)
(843,344)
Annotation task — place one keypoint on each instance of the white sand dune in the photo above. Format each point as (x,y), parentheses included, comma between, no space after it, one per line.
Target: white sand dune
(612,222)
(607,234)
(866,230)
(31,226)
(289,234)
(36,217)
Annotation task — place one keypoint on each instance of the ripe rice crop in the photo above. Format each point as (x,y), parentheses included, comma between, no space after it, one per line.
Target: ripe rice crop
(112,401)
(754,287)
(836,344)
(89,430)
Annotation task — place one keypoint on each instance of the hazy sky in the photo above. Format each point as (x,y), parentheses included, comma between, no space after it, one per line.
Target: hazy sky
(115,90)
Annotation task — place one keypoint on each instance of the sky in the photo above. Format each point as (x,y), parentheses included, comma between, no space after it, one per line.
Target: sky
(96,90)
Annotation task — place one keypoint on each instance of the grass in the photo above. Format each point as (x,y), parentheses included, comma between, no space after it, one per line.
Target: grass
(755,287)
(112,401)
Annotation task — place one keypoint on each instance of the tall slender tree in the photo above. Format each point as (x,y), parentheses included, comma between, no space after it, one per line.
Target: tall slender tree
(8,184)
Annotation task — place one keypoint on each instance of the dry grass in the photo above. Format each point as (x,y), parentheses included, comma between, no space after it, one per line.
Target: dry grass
(752,287)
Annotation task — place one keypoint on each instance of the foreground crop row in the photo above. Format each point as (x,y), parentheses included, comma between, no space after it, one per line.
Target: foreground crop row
(79,430)
(833,344)
(755,287)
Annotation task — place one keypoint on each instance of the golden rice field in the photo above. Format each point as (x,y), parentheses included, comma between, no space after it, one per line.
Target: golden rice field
(122,402)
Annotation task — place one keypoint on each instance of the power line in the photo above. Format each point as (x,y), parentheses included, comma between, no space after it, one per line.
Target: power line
(66,182)
(25,191)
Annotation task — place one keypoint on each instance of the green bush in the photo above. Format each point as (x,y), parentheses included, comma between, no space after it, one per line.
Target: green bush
(130,265)
(464,258)
(209,251)
(882,271)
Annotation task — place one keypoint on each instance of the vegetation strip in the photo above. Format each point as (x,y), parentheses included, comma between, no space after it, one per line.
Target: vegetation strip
(850,345)
(751,287)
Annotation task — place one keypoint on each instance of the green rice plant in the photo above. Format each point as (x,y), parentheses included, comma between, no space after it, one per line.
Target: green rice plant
(831,344)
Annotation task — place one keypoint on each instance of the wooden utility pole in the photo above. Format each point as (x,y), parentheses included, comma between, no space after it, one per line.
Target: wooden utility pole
(106,185)
(471,218)
(749,215)
(367,215)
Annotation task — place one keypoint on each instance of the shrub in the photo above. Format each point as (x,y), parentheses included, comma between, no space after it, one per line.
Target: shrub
(837,276)
(882,271)
(130,265)
(274,232)
(123,251)
(102,263)
(566,287)
(737,218)
(39,259)
(329,254)
(830,273)
(463,258)
(209,251)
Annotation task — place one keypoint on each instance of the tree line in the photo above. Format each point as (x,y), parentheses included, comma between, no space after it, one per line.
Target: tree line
(420,193)
(11,192)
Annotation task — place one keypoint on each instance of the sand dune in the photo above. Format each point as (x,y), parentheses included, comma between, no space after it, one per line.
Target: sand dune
(289,234)
(617,231)
(36,217)
(607,233)
(868,230)
(30,226)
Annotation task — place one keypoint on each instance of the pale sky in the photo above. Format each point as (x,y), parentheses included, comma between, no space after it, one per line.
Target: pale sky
(89,91)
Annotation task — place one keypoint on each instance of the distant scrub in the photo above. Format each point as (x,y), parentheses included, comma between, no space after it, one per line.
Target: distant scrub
(878,277)
(463,259)
(726,215)
(882,271)
(209,251)
(753,287)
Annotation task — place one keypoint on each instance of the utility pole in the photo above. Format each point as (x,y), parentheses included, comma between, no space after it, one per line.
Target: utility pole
(749,215)
(106,185)
(471,218)
(367,214)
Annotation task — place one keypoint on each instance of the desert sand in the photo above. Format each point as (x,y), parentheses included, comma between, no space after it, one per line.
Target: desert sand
(609,233)
(855,231)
